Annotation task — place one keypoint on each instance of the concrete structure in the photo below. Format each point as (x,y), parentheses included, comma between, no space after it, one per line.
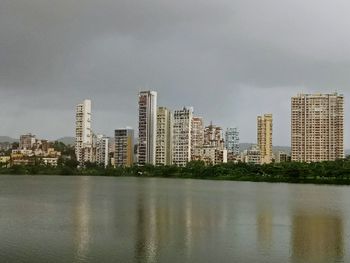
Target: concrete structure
(50,161)
(317,127)
(264,137)
(27,141)
(83,133)
(182,127)
(282,157)
(102,150)
(164,137)
(147,127)
(213,149)
(210,155)
(213,136)
(124,147)
(197,135)
(252,155)
(232,141)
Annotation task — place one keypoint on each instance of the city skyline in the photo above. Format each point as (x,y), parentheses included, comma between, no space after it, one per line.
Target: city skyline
(224,53)
(99,130)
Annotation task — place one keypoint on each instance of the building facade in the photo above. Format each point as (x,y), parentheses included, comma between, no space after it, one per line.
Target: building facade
(232,141)
(252,155)
(264,137)
(317,127)
(27,141)
(102,150)
(182,135)
(147,127)
(164,137)
(213,149)
(83,133)
(197,135)
(124,147)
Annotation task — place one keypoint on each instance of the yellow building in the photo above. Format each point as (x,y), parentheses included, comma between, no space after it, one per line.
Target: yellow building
(265,137)
(5,160)
(124,147)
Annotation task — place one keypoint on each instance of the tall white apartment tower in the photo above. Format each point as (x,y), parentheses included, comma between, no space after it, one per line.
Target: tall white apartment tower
(83,133)
(182,127)
(317,127)
(147,127)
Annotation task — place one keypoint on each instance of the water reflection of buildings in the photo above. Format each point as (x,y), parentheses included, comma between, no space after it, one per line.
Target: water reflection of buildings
(172,223)
(317,238)
(81,219)
(264,228)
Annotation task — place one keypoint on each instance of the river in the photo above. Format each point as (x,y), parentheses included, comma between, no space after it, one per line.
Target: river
(101,219)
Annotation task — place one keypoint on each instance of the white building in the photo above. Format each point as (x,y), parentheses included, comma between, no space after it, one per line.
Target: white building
(50,161)
(182,136)
(83,133)
(102,150)
(232,140)
(147,127)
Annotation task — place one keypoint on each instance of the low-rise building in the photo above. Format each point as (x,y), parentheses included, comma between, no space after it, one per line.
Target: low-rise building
(5,161)
(252,155)
(50,161)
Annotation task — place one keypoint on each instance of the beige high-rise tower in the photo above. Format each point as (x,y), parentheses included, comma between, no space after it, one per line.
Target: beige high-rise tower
(265,137)
(182,127)
(317,127)
(164,137)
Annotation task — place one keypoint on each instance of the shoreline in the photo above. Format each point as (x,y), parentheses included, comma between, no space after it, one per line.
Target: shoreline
(255,179)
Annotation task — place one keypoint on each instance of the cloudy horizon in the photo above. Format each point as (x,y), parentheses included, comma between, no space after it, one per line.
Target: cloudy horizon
(230,60)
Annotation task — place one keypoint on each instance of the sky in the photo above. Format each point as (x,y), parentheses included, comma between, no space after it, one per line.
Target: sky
(230,59)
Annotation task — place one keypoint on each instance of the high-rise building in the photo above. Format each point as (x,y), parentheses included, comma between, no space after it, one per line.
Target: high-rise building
(197,135)
(164,137)
(147,127)
(213,149)
(232,140)
(265,137)
(83,133)
(213,136)
(182,136)
(102,150)
(124,147)
(27,141)
(317,127)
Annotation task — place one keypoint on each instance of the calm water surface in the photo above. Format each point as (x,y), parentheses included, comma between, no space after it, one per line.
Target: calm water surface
(99,219)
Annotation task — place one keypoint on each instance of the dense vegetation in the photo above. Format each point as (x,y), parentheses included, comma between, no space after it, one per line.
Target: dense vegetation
(337,172)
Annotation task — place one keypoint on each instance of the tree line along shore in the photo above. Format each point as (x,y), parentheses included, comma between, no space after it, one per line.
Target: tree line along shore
(330,172)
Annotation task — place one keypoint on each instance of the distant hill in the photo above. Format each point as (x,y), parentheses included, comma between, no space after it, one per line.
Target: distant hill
(67,140)
(7,139)
(245,146)
(276,149)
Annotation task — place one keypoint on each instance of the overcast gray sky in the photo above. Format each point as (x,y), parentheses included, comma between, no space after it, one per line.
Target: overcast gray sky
(230,59)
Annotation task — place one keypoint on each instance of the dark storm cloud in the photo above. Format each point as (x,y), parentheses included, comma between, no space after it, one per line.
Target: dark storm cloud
(231,60)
